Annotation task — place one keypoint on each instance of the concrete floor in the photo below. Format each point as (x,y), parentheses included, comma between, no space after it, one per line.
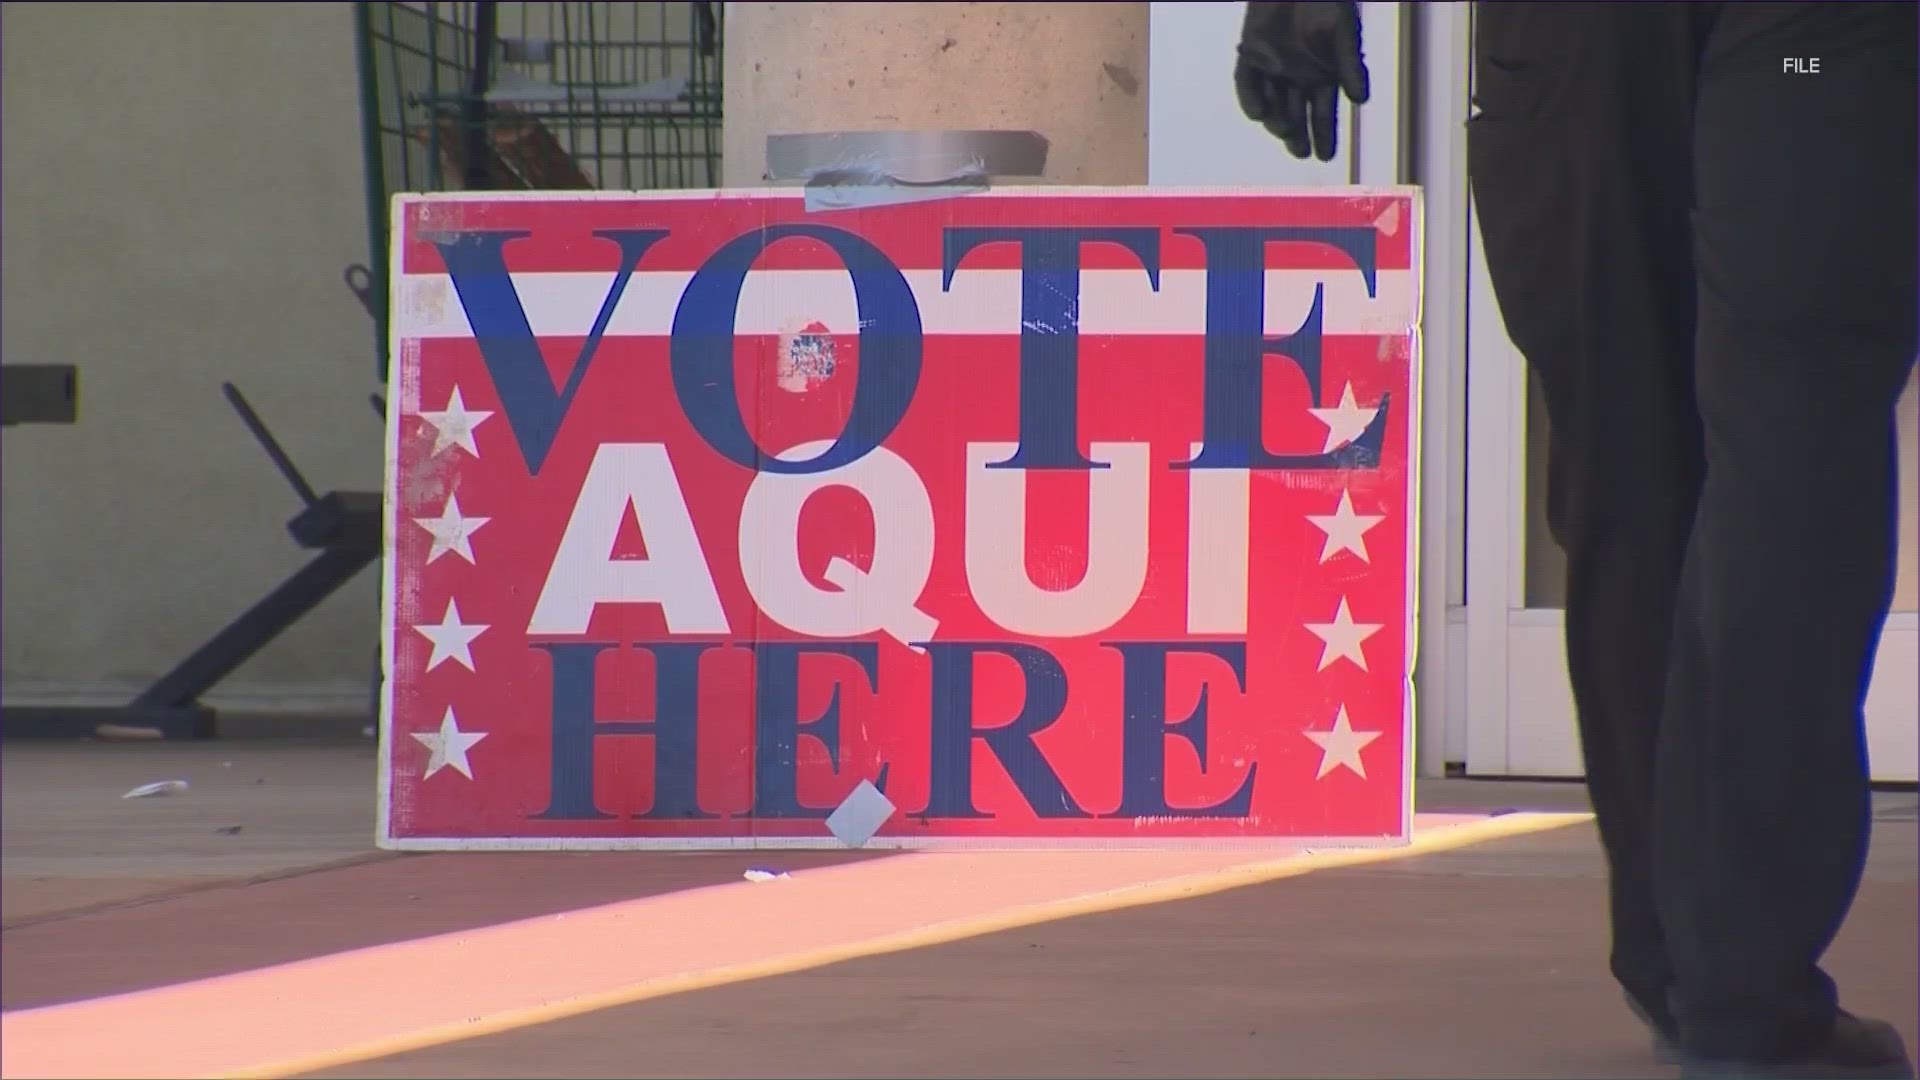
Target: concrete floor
(68,840)
(256,809)
(1482,961)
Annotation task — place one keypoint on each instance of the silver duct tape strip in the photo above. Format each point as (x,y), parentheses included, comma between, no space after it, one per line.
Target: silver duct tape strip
(856,169)
(882,193)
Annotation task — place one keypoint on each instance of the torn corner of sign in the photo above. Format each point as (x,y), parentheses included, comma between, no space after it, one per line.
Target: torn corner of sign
(860,815)
(855,169)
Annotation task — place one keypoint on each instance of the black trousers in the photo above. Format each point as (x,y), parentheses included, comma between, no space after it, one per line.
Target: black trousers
(1708,260)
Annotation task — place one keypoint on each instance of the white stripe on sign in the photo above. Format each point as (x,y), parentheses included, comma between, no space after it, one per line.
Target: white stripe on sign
(980,302)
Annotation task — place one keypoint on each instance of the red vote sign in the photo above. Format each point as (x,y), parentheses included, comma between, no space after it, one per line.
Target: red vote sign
(1070,516)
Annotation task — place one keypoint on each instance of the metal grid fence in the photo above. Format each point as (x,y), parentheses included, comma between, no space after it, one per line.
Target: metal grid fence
(533,96)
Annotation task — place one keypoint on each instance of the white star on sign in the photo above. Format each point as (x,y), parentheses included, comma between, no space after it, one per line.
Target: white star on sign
(451,639)
(453,426)
(1340,748)
(448,746)
(451,531)
(1345,422)
(1346,530)
(1343,637)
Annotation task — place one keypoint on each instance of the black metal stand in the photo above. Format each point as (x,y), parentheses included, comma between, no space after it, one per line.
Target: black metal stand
(344,527)
(38,394)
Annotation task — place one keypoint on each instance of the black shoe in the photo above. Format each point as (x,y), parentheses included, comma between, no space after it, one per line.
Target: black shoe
(1867,1049)
(1666,1038)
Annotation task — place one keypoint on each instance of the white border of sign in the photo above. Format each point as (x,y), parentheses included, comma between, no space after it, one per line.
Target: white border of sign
(388,583)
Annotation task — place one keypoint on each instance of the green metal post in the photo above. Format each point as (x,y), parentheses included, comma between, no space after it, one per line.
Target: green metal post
(374,155)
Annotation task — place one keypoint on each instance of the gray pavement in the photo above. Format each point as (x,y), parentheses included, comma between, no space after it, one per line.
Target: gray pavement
(69,840)
(1485,961)
(257,808)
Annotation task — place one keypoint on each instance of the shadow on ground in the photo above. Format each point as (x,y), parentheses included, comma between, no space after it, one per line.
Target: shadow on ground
(1445,966)
(218,931)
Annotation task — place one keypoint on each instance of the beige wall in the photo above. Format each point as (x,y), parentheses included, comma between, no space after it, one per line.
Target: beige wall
(182,186)
(1074,72)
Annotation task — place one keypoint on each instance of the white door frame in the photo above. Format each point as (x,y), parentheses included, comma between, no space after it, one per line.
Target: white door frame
(1518,711)
(1436,58)
(1196,136)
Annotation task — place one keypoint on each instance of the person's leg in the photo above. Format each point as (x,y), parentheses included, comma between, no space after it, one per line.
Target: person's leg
(1581,179)
(1804,234)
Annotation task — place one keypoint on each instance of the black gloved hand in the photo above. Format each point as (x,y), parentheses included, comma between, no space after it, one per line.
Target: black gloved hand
(1295,60)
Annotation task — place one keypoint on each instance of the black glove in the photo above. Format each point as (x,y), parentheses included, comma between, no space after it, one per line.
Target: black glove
(1295,60)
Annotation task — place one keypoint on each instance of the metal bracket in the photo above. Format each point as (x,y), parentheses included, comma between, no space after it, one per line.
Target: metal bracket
(343,528)
(39,394)
(359,281)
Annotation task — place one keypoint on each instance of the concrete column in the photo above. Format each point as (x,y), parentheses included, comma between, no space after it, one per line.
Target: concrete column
(1074,72)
